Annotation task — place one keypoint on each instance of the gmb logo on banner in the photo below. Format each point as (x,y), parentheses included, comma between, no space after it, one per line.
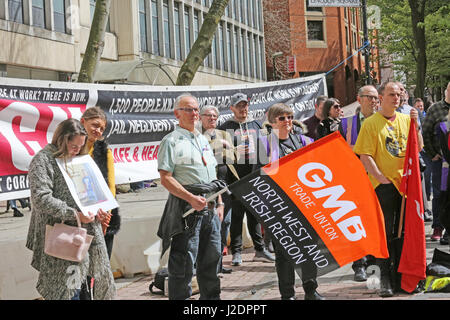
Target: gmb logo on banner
(28,127)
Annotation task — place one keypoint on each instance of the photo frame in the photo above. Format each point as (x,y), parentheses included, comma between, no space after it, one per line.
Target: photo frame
(86,184)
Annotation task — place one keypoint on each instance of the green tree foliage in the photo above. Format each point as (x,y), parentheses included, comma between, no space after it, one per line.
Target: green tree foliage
(411,52)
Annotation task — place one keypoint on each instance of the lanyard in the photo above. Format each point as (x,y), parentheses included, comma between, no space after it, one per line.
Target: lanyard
(196,146)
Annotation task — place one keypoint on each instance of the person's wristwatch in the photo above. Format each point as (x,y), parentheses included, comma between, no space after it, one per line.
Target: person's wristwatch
(220,204)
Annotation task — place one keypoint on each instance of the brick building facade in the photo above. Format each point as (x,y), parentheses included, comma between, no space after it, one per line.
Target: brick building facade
(315,40)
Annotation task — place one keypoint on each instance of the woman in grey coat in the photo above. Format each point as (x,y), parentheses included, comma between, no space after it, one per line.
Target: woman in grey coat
(52,203)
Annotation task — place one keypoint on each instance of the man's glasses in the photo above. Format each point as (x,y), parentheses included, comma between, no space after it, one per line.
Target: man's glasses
(282,118)
(212,116)
(370,97)
(195,110)
(337,106)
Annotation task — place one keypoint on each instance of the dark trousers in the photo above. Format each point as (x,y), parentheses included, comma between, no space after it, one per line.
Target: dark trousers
(390,202)
(436,175)
(286,275)
(226,222)
(254,228)
(197,247)
(427,174)
(109,240)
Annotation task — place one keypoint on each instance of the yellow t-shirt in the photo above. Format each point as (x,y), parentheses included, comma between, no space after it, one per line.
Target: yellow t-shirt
(385,141)
(109,165)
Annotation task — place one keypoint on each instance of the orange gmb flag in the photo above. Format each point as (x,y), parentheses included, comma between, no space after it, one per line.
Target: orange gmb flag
(319,206)
(413,261)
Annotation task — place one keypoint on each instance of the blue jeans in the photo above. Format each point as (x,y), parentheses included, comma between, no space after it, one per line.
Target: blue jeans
(197,247)
(226,222)
(436,173)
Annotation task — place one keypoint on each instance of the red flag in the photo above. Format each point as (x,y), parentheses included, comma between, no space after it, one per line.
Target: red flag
(413,259)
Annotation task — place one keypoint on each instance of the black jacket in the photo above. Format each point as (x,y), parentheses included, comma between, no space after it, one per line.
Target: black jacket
(100,158)
(234,128)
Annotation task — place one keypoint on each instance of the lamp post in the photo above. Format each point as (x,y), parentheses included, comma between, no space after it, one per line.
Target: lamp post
(366,40)
(274,56)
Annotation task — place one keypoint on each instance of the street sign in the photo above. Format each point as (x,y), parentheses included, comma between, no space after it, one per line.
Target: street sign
(291,64)
(334,3)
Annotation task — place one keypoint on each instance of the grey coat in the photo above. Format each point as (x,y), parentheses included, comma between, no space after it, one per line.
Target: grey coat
(53,203)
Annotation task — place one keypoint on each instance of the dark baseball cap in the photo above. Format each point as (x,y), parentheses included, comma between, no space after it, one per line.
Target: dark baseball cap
(238,97)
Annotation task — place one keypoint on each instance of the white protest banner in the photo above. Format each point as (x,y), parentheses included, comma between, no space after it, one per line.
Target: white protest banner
(138,118)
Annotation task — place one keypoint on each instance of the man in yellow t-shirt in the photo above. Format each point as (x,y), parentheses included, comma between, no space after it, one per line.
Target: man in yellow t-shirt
(381,145)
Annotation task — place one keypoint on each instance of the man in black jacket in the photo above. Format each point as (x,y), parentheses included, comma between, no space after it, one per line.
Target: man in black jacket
(244,131)
(435,114)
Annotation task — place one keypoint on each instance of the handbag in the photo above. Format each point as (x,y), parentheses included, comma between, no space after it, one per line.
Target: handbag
(160,282)
(67,242)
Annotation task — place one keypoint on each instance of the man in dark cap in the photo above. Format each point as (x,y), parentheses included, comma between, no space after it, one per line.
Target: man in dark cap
(244,131)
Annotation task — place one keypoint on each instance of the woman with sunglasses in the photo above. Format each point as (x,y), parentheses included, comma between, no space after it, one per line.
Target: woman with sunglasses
(331,118)
(280,141)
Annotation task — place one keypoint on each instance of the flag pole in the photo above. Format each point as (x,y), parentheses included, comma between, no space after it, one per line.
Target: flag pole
(402,213)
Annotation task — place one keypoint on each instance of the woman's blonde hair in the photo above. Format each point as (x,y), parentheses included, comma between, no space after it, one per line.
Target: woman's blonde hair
(65,132)
(94,113)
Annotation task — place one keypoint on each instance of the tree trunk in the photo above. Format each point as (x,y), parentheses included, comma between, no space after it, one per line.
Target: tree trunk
(202,46)
(418,16)
(95,45)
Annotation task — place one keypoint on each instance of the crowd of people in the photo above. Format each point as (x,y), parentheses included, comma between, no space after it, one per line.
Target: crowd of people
(200,158)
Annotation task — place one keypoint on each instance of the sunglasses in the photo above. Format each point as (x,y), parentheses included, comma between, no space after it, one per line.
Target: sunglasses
(337,106)
(212,116)
(282,118)
(370,97)
(196,110)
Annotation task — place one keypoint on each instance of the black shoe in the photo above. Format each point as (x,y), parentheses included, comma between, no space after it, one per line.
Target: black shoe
(226,270)
(290,298)
(313,295)
(360,274)
(444,238)
(17,213)
(385,288)
(428,216)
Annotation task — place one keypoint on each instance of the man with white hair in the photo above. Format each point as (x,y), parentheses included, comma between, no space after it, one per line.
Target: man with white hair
(187,167)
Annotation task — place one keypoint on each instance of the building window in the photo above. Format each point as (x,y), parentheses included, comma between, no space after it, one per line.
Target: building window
(176,17)
(38,13)
(221,47)
(243,55)
(143,26)
(251,21)
(236,60)
(215,63)
(15,8)
(236,9)
(355,43)
(59,16)
(155,28)
(312,9)
(196,25)
(187,30)
(166,29)
(249,56)
(229,65)
(242,12)
(315,30)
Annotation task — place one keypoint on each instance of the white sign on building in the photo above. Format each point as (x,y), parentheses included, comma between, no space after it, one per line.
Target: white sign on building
(334,3)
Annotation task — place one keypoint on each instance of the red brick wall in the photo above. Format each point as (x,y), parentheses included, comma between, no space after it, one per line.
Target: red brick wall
(309,60)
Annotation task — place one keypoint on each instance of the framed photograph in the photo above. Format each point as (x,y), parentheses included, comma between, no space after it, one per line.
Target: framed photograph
(86,184)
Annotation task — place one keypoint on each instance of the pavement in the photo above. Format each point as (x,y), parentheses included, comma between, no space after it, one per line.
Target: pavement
(252,281)
(258,281)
